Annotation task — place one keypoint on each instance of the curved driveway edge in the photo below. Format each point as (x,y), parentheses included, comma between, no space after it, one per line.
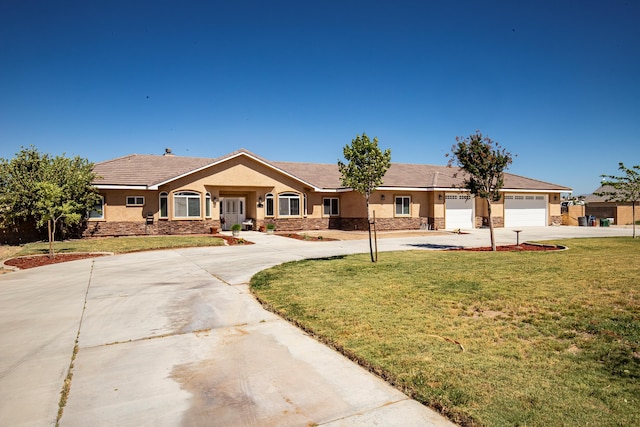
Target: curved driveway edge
(174,337)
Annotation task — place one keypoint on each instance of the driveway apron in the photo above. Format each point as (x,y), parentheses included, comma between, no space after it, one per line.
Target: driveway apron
(174,337)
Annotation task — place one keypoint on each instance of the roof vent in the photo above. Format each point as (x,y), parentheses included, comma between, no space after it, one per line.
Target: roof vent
(168,152)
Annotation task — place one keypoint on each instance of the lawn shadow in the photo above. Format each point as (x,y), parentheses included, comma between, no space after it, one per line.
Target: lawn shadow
(434,247)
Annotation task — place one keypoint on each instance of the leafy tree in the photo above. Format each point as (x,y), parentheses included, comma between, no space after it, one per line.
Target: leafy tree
(365,169)
(41,190)
(483,162)
(624,189)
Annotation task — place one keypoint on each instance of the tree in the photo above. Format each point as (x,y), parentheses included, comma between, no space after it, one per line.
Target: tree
(483,161)
(41,190)
(623,189)
(365,169)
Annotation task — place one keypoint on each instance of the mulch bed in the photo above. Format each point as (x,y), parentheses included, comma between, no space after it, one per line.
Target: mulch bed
(40,260)
(513,248)
(233,241)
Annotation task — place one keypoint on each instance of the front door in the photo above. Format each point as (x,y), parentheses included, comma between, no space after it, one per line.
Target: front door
(232,211)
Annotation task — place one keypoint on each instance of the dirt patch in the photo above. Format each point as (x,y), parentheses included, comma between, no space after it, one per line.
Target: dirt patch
(306,237)
(40,260)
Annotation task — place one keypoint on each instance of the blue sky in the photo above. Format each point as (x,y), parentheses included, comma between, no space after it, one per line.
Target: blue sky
(555,82)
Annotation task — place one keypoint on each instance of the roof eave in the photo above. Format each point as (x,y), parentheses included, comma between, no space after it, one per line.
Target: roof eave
(121,187)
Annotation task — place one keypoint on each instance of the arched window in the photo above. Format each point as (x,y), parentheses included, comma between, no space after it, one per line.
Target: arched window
(269,205)
(186,204)
(289,204)
(207,205)
(164,205)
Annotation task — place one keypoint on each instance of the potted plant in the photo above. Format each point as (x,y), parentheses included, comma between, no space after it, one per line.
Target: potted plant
(271,227)
(235,230)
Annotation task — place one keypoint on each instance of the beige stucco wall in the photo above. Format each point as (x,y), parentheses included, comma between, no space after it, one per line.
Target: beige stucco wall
(353,204)
(115,205)
(625,215)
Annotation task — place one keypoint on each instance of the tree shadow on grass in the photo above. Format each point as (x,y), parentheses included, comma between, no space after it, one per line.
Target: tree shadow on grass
(434,247)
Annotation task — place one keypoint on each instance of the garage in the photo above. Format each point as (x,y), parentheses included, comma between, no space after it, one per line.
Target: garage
(525,210)
(458,211)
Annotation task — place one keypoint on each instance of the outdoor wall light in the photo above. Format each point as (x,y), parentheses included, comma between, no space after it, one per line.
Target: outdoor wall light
(382,197)
(215,200)
(260,202)
(439,196)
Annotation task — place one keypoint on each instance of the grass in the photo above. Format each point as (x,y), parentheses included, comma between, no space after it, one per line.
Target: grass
(120,245)
(507,338)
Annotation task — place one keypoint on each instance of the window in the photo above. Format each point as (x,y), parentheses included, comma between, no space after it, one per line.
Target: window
(135,201)
(330,206)
(403,205)
(97,212)
(268,200)
(164,205)
(186,204)
(304,209)
(289,204)
(207,205)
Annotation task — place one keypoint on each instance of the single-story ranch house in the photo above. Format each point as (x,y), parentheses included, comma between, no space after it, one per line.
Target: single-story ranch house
(620,212)
(169,194)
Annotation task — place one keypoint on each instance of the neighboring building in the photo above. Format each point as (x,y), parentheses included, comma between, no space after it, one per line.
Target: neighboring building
(598,206)
(150,194)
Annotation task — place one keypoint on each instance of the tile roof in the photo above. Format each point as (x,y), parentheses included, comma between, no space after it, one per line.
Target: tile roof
(145,169)
(591,198)
(151,170)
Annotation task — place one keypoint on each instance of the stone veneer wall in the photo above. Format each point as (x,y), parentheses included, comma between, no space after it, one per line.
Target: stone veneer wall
(297,224)
(436,223)
(483,221)
(141,228)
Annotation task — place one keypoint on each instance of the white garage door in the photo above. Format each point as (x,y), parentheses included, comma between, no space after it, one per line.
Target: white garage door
(458,211)
(525,210)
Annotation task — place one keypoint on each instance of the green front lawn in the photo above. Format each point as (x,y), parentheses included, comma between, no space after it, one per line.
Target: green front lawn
(507,338)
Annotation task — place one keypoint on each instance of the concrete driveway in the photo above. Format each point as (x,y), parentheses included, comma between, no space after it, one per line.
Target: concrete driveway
(174,337)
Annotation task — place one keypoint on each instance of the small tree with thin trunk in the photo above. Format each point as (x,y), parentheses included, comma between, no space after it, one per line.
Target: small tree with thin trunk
(364,170)
(40,189)
(623,189)
(483,162)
